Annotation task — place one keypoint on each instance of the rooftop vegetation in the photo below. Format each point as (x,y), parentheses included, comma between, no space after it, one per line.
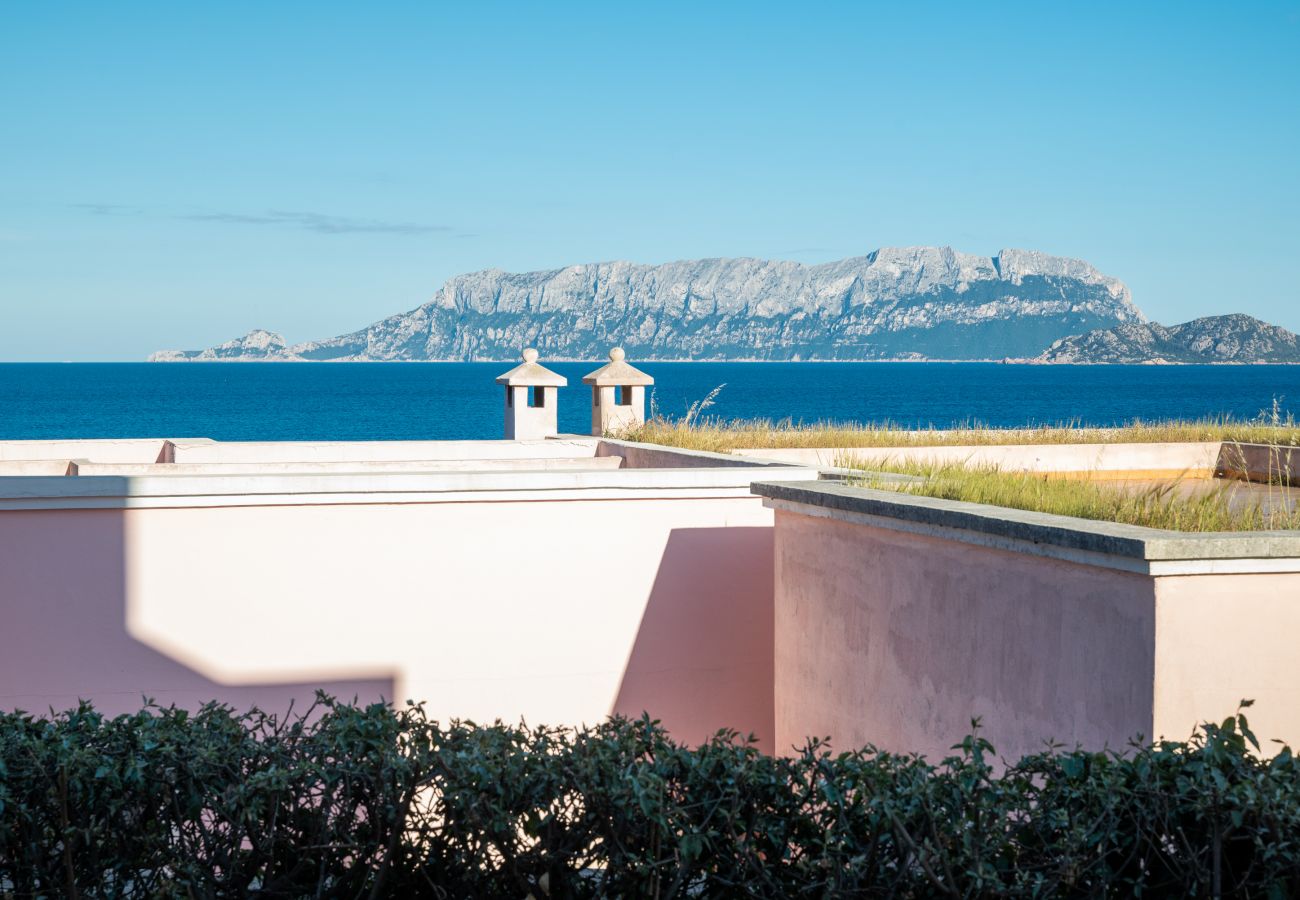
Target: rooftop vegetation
(696,431)
(1198,505)
(724,435)
(350,801)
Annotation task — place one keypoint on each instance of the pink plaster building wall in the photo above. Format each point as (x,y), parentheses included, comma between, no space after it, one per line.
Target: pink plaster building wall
(564,591)
(65,588)
(898,631)
(899,640)
(555,610)
(1224,638)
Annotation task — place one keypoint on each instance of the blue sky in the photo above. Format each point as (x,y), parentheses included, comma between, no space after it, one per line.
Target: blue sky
(173,174)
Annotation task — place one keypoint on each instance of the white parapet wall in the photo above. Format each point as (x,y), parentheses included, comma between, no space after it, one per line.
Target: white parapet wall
(146,450)
(26,467)
(205,451)
(317,467)
(540,590)
(1145,459)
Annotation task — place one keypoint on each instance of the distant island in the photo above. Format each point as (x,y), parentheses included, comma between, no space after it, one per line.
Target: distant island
(1233,338)
(914,303)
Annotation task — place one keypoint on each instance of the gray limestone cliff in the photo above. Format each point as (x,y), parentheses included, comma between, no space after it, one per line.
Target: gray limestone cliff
(1213,339)
(909,303)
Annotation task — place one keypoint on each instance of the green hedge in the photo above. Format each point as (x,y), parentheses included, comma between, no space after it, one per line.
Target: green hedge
(347,801)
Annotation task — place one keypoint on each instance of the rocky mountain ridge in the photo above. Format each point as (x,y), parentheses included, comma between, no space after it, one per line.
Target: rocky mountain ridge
(1233,338)
(894,303)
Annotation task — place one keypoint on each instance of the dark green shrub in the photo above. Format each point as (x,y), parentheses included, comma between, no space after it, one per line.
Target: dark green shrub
(345,801)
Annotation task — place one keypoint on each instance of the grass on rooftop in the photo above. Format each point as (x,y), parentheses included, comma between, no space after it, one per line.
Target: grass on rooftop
(1216,506)
(1212,506)
(724,435)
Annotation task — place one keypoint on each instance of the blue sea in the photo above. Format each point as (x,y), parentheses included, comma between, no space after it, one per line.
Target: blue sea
(406,401)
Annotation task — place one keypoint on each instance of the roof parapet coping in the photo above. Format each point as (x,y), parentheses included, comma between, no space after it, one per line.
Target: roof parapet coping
(981,523)
(386,487)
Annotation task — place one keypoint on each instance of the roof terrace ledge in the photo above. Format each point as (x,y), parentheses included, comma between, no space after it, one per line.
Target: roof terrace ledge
(1132,548)
(374,451)
(650,456)
(146,491)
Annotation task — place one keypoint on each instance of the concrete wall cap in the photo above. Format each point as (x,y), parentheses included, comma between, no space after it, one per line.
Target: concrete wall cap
(312,488)
(1063,531)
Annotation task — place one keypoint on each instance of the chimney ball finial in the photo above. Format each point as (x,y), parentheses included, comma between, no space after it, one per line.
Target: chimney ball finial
(616,354)
(530,355)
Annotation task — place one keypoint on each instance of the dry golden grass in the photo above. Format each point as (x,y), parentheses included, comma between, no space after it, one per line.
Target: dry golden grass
(1223,506)
(721,436)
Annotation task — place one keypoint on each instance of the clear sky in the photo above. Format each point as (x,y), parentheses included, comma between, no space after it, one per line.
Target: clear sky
(174,174)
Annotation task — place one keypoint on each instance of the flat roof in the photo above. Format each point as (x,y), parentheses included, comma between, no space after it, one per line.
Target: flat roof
(164,472)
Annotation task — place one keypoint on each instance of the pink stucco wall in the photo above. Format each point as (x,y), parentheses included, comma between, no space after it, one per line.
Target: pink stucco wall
(556,611)
(65,586)
(899,640)
(1224,638)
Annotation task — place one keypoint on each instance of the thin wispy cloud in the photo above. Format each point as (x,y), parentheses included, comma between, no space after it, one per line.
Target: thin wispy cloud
(317,222)
(320,223)
(107,209)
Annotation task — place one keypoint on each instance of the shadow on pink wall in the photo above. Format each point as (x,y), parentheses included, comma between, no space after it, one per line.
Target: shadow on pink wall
(703,655)
(63,626)
(701,660)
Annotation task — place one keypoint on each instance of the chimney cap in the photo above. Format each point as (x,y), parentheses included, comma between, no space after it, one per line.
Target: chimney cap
(617,372)
(531,374)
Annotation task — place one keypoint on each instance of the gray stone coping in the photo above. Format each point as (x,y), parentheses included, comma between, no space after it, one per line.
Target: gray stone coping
(1009,527)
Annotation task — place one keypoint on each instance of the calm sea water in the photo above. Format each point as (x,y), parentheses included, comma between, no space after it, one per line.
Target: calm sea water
(403,401)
